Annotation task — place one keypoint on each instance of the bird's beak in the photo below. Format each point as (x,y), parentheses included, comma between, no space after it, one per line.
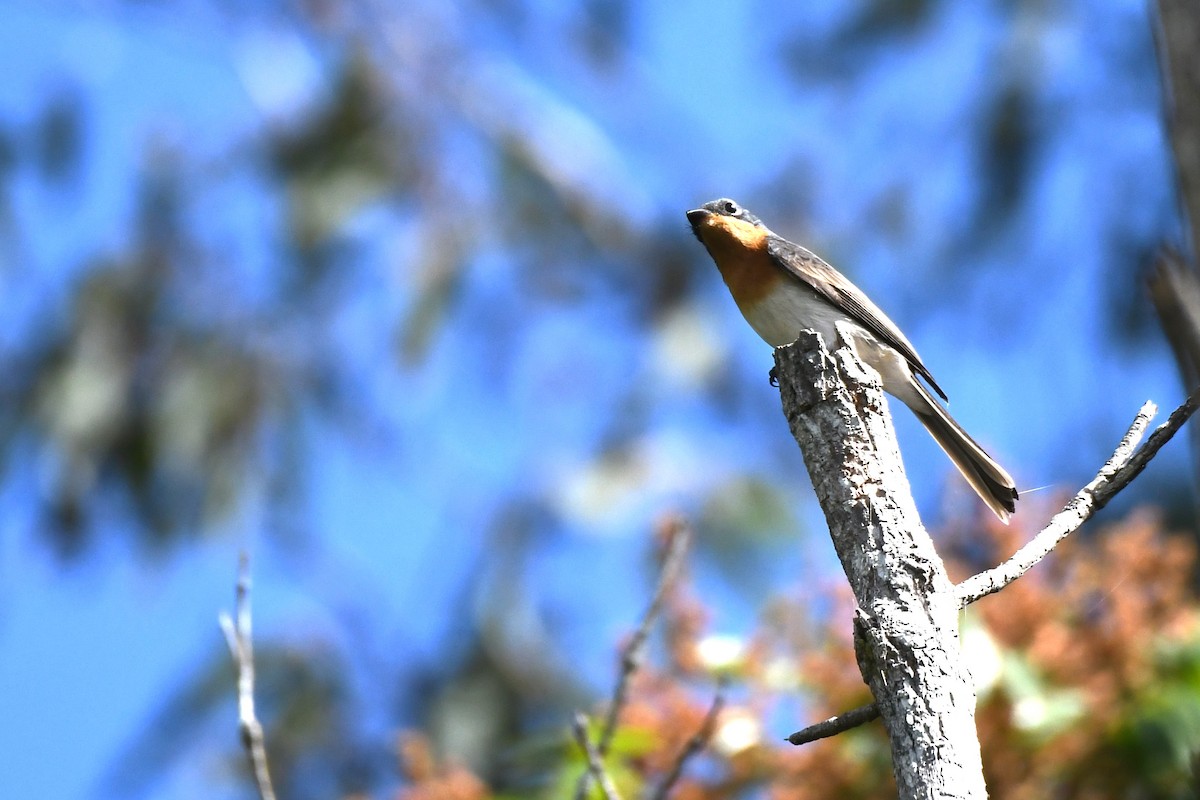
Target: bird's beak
(696,218)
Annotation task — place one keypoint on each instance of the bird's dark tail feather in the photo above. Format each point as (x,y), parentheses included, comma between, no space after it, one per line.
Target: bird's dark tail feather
(989,480)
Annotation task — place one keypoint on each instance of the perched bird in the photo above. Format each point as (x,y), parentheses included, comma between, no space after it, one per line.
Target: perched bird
(782,289)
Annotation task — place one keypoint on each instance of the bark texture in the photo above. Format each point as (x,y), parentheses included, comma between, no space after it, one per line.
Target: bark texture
(1174,282)
(1178,38)
(906,624)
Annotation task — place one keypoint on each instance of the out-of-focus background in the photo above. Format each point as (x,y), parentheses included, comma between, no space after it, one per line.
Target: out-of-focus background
(400,298)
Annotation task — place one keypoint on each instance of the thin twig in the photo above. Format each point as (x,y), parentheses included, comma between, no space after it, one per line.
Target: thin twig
(1162,434)
(678,535)
(241,647)
(594,759)
(695,744)
(835,725)
(1126,463)
(678,538)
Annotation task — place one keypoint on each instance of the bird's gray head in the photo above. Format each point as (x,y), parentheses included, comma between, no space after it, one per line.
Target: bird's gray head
(722,207)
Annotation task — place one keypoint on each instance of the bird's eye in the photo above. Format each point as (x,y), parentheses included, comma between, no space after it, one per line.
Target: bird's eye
(730,208)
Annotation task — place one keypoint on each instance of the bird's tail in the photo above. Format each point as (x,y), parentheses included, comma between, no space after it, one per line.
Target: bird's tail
(989,480)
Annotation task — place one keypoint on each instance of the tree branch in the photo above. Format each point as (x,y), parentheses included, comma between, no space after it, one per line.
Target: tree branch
(696,743)
(1177,36)
(241,648)
(1126,463)
(678,536)
(906,624)
(1174,283)
(594,759)
(678,539)
(843,722)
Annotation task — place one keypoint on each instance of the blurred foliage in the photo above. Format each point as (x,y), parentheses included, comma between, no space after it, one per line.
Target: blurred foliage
(149,396)
(59,137)
(866,29)
(345,156)
(1087,672)
(1104,633)
(115,391)
(174,383)
(167,396)
(1086,668)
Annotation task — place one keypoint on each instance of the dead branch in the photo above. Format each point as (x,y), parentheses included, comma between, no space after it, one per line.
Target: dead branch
(835,725)
(241,648)
(1126,463)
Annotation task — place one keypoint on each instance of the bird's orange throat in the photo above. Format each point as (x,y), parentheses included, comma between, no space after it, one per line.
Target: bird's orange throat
(721,232)
(739,249)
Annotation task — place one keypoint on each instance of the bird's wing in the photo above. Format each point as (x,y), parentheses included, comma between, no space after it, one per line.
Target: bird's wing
(844,295)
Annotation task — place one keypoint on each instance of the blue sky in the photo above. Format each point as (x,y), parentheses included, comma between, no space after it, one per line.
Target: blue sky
(1016,327)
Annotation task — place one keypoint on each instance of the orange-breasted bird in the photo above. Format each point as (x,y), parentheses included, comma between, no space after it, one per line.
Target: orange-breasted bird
(782,289)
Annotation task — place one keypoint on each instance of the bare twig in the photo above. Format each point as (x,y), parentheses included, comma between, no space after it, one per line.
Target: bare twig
(678,536)
(695,744)
(594,759)
(1127,463)
(1162,434)
(241,647)
(835,725)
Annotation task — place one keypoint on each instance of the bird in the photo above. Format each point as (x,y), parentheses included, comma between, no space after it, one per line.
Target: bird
(782,289)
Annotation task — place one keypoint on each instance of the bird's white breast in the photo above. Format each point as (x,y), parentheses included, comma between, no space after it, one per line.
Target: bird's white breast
(790,308)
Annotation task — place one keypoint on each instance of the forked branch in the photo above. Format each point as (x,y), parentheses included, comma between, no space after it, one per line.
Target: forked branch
(1126,463)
